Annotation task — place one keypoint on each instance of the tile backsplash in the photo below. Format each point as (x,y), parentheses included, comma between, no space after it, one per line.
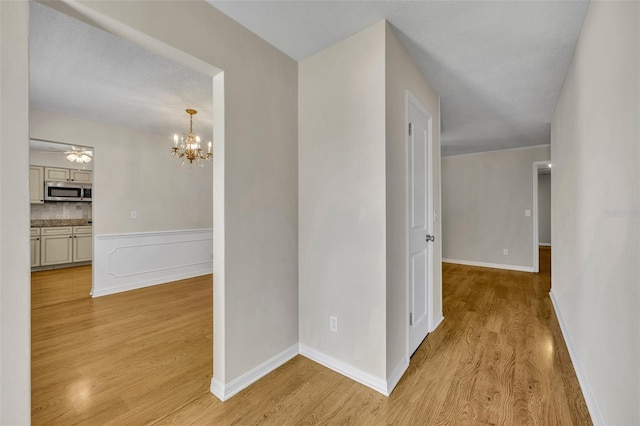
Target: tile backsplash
(61,210)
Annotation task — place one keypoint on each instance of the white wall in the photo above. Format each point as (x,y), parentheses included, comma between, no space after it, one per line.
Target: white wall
(342,242)
(595,193)
(256,184)
(544,209)
(15,395)
(402,73)
(484,198)
(134,170)
(353,204)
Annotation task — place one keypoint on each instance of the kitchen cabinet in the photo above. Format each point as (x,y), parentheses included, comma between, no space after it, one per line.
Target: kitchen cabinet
(65,244)
(36,185)
(35,247)
(83,176)
(56,245)
(82,243)
(59,174)
(56,174)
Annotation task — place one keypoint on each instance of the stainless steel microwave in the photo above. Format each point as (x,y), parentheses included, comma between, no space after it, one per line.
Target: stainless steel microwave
(67,191)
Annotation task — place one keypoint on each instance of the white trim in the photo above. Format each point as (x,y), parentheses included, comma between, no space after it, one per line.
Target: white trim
(154,233)
(340,367)
(224,392)
(407,221)
(437,322)
(490,265)
(219,221)
(536,255)
(394,378)
(498,150)
(149,283)
(544,244)
(594,412)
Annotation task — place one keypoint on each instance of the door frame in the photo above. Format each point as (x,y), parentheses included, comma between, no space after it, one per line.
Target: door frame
(537,165)
(410,98)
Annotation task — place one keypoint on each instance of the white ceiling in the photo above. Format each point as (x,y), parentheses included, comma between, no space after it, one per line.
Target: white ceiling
(80,70)
(497,65)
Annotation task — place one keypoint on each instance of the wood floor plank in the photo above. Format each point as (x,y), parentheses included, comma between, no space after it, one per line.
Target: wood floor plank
(145,357)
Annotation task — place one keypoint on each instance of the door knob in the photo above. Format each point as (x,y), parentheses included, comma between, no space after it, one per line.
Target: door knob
(430,238)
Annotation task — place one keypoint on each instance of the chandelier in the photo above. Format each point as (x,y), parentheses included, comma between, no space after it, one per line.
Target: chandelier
(79,156)
(188,147)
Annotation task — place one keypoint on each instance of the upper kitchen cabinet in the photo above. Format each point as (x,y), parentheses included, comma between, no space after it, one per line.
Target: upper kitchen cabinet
(36,185)
(59,174)
(56,174)
(83,176)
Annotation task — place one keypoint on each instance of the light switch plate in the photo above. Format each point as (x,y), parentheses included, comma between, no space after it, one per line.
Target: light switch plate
(527,212)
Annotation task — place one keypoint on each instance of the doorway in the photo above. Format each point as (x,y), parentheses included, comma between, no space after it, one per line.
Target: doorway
(121,150)
(419,222)
(61,199)
(542,216)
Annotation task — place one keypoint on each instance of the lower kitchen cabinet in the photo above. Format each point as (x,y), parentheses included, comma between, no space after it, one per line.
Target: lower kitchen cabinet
(63,244)
(56,245)
(82,244)
(35,247)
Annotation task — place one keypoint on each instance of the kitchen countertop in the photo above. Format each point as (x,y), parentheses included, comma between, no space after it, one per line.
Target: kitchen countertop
(41,223)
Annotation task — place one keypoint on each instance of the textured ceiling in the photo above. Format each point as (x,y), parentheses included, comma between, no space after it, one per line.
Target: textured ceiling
(80,70)
(497,65)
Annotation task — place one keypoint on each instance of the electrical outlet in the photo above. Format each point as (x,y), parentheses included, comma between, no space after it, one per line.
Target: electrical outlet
(505,252)
(333,323)
(527,212)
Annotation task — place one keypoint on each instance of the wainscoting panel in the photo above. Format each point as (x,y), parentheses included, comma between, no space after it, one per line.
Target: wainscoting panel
(124,262)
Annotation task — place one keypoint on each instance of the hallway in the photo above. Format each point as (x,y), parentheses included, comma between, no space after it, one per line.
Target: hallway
(144,357)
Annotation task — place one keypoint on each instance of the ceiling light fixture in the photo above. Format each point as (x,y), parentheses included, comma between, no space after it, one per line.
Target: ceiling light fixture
(187,146)
(79,156)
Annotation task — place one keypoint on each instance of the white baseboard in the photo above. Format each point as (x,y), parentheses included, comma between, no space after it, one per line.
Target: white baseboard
(436,323)
(594,412)
(225,391)
(353,373)
(544,244)
(123,262)
(396,375)
(490,265)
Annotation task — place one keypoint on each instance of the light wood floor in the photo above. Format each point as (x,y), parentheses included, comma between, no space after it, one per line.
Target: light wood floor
(125,359)
(145,357)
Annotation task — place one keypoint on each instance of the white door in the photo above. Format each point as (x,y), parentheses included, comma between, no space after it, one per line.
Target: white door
(420,223)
